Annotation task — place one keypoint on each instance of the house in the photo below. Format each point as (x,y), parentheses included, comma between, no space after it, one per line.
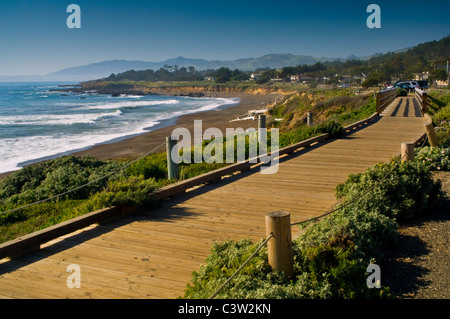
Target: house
(255,77)
(209,78)
(294,78)
(301,78)
(352,79)
(422,76)
(306,79)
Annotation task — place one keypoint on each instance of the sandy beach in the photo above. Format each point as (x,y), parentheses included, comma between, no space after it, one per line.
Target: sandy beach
(220,118)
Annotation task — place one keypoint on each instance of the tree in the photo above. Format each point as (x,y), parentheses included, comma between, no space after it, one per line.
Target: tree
(372,80)
(439,75)
(223,75)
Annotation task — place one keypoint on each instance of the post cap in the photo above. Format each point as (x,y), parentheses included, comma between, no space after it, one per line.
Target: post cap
(277,214)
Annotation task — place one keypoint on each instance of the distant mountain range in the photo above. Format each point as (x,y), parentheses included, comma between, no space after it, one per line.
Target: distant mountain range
(105,68)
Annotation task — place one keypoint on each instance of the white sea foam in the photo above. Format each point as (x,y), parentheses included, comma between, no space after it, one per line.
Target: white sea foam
(17,151)
(125,104)
(127,96)
(24,150)
(51,119)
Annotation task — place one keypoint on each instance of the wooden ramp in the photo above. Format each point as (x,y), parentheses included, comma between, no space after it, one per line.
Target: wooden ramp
(152,254)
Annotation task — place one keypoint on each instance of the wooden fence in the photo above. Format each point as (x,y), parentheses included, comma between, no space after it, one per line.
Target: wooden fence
(424,102)
(384,98)
(423,99)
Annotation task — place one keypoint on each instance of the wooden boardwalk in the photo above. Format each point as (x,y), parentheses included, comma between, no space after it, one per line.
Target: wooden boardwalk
(152,254)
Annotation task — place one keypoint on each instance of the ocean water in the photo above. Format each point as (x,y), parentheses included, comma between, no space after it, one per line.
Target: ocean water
(37,123)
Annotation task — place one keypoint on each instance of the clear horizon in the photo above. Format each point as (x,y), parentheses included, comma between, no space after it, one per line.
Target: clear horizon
(36,39)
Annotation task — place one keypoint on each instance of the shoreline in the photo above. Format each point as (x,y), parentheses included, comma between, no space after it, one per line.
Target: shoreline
(135,146)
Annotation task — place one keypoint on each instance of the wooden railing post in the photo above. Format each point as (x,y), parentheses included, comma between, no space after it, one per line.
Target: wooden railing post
(431,134)
(279,247)
(310,119)
(262,121)
(407,152)
(262,126)
(378,103)
(172,167)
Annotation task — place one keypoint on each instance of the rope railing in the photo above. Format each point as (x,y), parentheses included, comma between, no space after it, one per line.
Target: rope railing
(84,185)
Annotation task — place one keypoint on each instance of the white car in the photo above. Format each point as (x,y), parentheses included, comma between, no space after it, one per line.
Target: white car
(414,84)
(403,84)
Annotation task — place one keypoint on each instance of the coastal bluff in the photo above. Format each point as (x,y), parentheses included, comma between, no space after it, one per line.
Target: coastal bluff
(118,88)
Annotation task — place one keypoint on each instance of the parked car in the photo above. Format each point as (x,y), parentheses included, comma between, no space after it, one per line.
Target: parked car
(414,84)
(394,85)
(423,84)
(407,85)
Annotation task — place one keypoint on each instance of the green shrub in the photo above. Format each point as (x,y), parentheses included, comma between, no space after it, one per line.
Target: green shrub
(33,218)
(334,264)
(442,115)
(305,132)
(47,179)
(434,158)
(408,190)
(195,169)
(152,166)
(125,191)
(324,271)
(361,113)
(255,281)
(401,92)
(443,135)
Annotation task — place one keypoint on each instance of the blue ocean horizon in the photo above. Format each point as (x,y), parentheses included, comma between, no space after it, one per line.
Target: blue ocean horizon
(39,122)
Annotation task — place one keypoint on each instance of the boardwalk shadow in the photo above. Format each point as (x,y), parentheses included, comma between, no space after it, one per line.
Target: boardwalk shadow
(403,269)
(400,272)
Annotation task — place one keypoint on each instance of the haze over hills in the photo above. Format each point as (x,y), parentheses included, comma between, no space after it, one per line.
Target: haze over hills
(272,61)
(105,68)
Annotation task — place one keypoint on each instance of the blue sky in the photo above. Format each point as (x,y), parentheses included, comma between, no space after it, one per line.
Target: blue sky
(34,37)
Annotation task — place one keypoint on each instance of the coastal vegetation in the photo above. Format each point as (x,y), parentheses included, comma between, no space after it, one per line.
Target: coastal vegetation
(170,73)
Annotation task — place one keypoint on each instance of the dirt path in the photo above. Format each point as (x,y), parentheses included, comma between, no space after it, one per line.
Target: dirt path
(419,268)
